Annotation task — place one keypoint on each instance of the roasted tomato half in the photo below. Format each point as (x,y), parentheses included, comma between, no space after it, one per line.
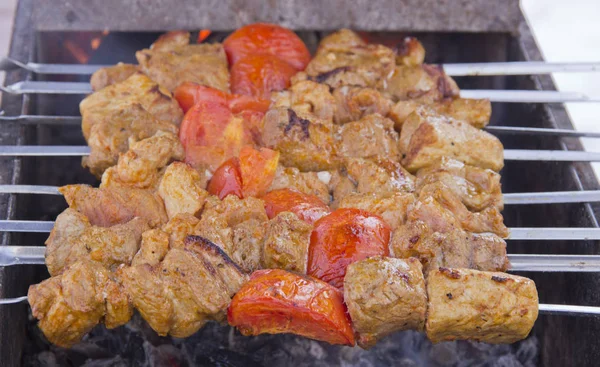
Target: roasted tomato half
(270,39)
(259,75)
(188,94)
(275,301)
(309,208)
(227,180)
(343,237)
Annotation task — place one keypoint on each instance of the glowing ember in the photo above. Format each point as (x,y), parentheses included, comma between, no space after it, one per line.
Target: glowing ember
(203,34)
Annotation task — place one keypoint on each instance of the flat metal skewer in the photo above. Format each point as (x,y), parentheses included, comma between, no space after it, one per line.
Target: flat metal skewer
(462,69)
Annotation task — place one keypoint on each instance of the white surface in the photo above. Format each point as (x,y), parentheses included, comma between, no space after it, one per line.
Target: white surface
(569,31)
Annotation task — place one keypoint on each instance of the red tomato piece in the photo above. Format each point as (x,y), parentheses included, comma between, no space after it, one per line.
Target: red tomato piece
(227,180)
(309,208)
(258,75)
(270,39)
(240,103)
(275,301)
(343,237)
(188,94)
(258,170)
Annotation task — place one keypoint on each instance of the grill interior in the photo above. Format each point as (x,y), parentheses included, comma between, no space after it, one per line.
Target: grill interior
(556,340)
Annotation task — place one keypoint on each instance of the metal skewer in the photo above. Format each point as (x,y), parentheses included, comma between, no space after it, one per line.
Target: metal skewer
(462,69)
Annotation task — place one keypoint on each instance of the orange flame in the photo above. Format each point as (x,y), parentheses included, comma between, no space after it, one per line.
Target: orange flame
(203,34)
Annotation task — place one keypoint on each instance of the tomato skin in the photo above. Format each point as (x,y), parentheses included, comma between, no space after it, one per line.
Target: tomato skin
(309,208)
(258,75)
(227,180)
(275,301)
(270,39)
(343,237)
(258,170)
(188,94)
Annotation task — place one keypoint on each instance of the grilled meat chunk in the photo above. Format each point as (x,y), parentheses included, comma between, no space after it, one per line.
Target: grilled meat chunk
(135,108)
(171,60)
(410,52)
(73,238)
(370,136)
(303,140)
(426,137)
(379,175)
(475,112)
(141,167)
(307,97)
(153,249)
(483,306)
(311,183)
(385,295)
(179,227)
(423,83)
(392,208)
(442,210)
(110,75)
(354,103)
(342,60)
(476,187)
(285,244)
(105,207)
(69,305)
(188,287)
(454,249)
(181,190)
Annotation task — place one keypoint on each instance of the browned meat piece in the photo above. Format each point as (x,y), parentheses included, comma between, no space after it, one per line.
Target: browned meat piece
(286,243)
(69,305)
(340,185)
(304,141)
(171,60)
(73,239)
(483,306)
(307,97)
(105,207)
(372,135)
(354,103)
(141,167)
(426,137)
(236,226)
(435,199)
(343,60)
(475,112)
(179,227)
(456,248)
(181,190)
(410,52)
(392,208)
(423,83)
(379,175)
(111,75)
(135,108)
(190,286)
(154,247)
(477,188)
(385,295)
(312,183)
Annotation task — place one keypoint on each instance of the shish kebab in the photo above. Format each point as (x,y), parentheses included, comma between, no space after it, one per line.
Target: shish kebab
(413,163)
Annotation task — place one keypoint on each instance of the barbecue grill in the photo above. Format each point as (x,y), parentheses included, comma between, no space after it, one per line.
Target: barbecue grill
(54,32)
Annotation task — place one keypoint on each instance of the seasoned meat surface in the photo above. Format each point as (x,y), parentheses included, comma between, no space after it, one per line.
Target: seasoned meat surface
(307,97)
(391,208)
(370,136)
(455,249)
(484,306)
(385,295)
(410,52)
(285,245)
(181,190)
(136,108)
(311,183)
(379,175)
(154,247)
(69,305)
(110,75)
(73,238)
(424,83)
(142,166)
(179,227)
(475,112)
(105,207)
(476,187)
(354,103)
(426,137)
(172,60)
(304,141)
